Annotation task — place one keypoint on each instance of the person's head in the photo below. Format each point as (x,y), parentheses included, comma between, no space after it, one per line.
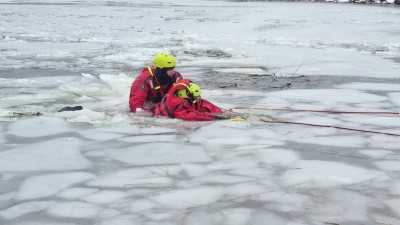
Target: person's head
(165,64)
(191,92)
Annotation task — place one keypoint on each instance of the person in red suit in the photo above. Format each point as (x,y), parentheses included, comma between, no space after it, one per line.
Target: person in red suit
(184,101)
(153,83)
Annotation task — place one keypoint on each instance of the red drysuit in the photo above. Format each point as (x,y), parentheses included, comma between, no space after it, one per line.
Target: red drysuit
(146,87)
(175,107)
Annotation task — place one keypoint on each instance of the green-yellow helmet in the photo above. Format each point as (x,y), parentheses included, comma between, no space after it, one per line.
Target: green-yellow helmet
(193,88)
(164,60)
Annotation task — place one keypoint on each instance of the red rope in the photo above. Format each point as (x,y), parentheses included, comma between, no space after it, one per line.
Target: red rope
(337,127)
(318,111)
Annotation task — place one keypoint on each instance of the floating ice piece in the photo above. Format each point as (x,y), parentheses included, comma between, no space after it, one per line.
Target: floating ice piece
(142,205)
(339,141)
(188,198)
(50,184)
(341,206)
(156,153)
(395,99)
(58,154)
(376,153)
(316,174)
(261,216)
(236,216)
(222,179)
(151,138)
(328,96)
(149,176)
(74,209)
(388,165)
(245,190)
(256,71)
(84,115)
(370,86)
(282,201)
(101,136)
(75,193)
(279,157)
(105,197)
(24,208)
(38,127)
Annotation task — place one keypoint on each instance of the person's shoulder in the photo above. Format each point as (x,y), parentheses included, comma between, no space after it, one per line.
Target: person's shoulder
(145,73)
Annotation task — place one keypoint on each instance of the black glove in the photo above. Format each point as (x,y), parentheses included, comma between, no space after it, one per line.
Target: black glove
(220,117)
(69,108)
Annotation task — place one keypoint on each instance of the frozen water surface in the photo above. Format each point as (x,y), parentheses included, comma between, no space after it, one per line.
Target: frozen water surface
(105,166)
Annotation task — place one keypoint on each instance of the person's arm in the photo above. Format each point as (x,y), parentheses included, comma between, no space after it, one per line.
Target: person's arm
(137,98)
(186,111)
(206,106)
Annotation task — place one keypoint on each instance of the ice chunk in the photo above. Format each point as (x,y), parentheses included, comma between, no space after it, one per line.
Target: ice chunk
(313,173)
(75,193)
(395,98)
(339,141)
(187,198)
(388,165)
(328,96)
(151,138)
(38,127)
(24,208)
(142,205)
(83,116)
(50,184)
(105,197)
(74,210)
(394,205)
(260,217)
(57,154)
(193,170)
(341,206)
(245,190)
(159,153)
(280,157)
(149,176)
(236,216)
(371,86)
(222,179)
(100,136)
(376,153)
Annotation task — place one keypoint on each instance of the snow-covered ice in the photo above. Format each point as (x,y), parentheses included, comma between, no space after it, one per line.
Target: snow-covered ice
(106,166)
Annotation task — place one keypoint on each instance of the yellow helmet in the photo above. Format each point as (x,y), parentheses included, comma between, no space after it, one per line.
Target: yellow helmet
(164,60)
(193,88)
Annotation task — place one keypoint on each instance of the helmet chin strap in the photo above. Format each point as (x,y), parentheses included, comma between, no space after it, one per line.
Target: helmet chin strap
(190,95)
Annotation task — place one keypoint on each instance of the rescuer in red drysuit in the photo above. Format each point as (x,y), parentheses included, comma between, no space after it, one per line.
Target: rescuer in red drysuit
(153,83)
(183,101)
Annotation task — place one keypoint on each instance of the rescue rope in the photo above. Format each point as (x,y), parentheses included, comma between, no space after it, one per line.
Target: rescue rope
(317,111)
(269,120)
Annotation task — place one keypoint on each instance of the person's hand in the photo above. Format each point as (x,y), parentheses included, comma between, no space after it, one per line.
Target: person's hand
(220,117)
(230,116)
(143,112)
